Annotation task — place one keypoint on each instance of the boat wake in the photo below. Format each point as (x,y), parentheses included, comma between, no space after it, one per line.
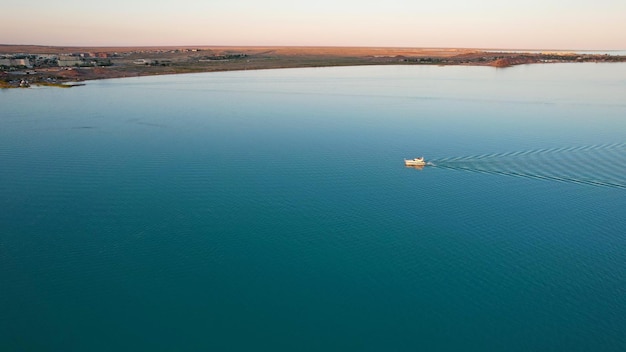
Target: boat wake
(602,165)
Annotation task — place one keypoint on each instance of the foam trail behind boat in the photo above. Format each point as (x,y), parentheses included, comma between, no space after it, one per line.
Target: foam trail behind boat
(602,165)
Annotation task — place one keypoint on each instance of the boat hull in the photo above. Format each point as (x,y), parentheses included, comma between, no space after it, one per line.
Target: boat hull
(415,162)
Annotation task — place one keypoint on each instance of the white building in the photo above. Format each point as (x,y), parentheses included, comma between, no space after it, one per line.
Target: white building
(16,62)
(22,62)
(69,61)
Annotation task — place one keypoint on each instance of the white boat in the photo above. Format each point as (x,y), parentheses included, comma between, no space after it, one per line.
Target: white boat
(415,162)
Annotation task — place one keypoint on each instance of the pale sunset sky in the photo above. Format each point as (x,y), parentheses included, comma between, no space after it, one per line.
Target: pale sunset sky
(528,24)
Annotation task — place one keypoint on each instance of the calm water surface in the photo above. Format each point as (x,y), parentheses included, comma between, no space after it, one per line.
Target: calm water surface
(271,210)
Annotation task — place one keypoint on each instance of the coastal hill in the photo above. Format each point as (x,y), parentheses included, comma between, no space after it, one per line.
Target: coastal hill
(22,65)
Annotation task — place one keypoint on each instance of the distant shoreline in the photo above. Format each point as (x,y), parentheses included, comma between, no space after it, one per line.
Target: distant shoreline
(50,65)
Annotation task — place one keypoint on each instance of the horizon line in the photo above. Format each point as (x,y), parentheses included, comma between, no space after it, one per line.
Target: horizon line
(299,46)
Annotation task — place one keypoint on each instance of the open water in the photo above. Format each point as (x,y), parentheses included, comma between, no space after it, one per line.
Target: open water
(271,211)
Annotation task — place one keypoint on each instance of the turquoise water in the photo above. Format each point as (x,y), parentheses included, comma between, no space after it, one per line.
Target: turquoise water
(271,210)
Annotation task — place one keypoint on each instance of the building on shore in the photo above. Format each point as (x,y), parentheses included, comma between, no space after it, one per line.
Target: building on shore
(65,61)
(22,62)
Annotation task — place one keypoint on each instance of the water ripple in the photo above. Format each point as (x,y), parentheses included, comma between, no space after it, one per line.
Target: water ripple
(599,165)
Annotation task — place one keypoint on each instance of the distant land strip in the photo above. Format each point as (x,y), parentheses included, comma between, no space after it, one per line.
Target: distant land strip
(26,65)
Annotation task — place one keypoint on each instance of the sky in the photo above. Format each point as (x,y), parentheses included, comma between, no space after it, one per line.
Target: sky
(501,24)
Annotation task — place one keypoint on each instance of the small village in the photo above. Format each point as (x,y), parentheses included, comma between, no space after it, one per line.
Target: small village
(21,70)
